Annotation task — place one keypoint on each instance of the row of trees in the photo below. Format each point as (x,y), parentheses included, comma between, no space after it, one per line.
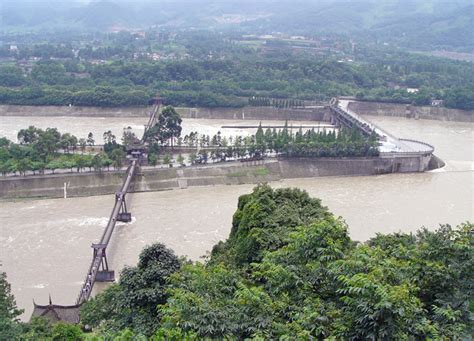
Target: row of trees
(77,162)
(39,150)
(283,142)
(99,96)
(288,270)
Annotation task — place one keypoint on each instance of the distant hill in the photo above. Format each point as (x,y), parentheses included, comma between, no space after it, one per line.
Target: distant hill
(417,24)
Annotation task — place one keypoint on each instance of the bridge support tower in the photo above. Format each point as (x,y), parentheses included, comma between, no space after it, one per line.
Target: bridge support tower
(103,272)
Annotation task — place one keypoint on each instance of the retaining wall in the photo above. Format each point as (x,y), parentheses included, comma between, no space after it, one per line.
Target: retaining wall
(249,113)
(86,184)
(25,110)
(320,113)
(411,111)
(257,113)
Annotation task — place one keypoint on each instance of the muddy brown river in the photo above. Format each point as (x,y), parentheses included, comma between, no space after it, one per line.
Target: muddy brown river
(46,243)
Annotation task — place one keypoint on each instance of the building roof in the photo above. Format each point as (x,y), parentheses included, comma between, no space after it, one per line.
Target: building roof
(54,313)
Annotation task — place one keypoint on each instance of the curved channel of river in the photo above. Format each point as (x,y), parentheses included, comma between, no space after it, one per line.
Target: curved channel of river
(45,244)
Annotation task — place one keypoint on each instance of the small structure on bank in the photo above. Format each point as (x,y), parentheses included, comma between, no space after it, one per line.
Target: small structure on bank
(55,313)
(137,152)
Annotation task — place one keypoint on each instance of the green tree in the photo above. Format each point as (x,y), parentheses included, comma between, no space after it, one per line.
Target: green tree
(109,137)
(38,166)
(168,127)
(82,144)
(167,159)
(128,137)
(64,331)
(29,135)
(37,328)
(9,313)
(90,139)
(97,162)
(107,162)
(180,160)
(133,302)
(68,142)
(48,142)
(9,166)
(53,165)
(24,165)
(118,158)
(152,159)
(11,76)
(260,139)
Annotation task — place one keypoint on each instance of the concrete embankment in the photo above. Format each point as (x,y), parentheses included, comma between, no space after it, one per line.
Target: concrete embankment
(257,113)
(411,111)
(87,184)
(318,113)
(248,113)
(26,110)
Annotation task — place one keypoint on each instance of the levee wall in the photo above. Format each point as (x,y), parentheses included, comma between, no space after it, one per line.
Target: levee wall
(257,113)
(25,110)
(319,113)
(86,184)
(250,113)
(411,111)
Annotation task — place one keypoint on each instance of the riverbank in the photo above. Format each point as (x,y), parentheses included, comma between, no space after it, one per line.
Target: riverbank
(318,113)
(231,173)
(411,111)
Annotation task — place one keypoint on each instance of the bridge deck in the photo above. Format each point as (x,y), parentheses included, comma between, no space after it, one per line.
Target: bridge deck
(389,143)
(99,259)
(99,248)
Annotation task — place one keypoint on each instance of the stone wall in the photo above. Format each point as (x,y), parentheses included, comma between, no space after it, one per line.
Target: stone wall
(411,111)
(86,184)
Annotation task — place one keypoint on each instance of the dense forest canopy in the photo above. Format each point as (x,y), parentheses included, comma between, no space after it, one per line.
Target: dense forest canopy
(238,75)
(288,270)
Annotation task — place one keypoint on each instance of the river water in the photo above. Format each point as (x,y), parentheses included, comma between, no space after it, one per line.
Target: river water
(81,126)
(46,243)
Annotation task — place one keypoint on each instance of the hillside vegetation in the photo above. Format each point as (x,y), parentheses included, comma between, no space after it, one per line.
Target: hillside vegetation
(417,24)
(235,79)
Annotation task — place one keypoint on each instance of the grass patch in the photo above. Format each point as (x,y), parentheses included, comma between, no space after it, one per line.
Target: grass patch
(256,172)
(261,171)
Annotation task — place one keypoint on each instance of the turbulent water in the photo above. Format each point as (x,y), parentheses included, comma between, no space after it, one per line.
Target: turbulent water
(46,243)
